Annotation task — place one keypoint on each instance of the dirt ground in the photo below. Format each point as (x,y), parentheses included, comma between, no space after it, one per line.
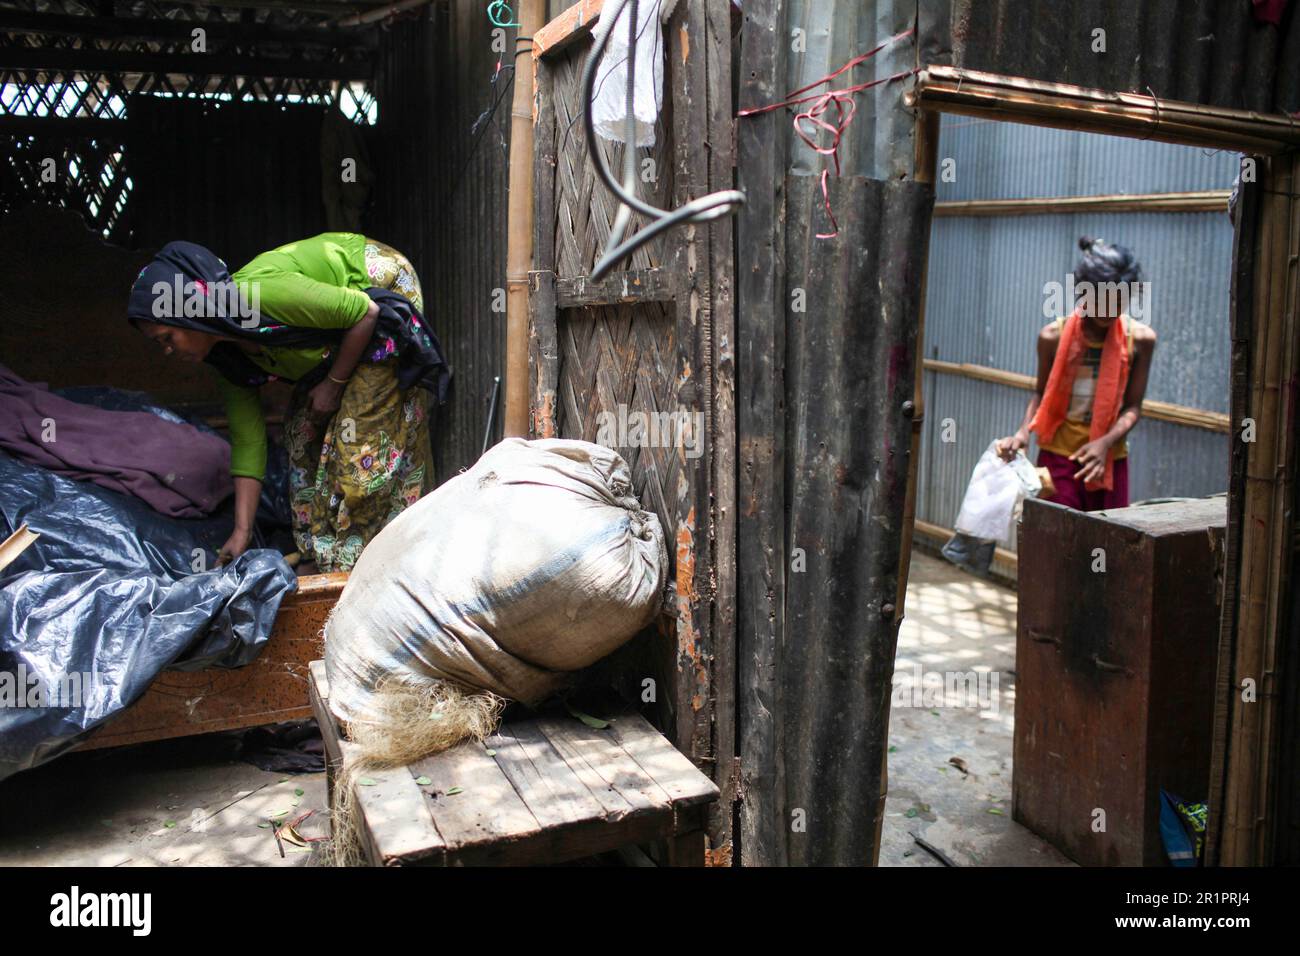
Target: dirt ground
(194,803)
(174,803)
(950,752)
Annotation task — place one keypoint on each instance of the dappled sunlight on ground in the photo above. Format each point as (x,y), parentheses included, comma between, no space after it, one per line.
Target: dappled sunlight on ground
(950,733)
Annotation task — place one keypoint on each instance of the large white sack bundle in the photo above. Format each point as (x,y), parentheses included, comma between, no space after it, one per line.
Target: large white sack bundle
(536,562)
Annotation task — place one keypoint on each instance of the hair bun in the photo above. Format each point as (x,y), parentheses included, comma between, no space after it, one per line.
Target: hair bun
(1086,242)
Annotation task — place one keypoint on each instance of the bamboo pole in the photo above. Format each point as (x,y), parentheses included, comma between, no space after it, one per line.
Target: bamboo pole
(1063,106)
(1162,411)
(1209,200)
(519,241)
(1253,738)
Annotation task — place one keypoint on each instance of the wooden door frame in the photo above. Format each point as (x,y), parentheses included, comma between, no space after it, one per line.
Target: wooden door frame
(1249,763)
(697,280)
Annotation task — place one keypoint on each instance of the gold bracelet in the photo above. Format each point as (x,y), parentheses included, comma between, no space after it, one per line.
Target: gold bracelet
(336,381)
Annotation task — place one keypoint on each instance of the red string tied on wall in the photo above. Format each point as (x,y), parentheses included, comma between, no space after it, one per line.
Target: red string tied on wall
(816,117)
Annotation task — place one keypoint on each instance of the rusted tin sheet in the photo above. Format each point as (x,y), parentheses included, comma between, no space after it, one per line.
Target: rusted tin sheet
(1200,51)
(271,689)
(1114,672)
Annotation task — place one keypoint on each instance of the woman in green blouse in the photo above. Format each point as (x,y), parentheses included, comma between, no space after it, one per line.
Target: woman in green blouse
(341,316)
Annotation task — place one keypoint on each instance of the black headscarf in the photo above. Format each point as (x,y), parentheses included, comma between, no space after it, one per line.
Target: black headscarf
(185,274)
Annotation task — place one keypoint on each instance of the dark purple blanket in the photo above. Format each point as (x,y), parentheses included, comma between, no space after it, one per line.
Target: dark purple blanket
(176,469)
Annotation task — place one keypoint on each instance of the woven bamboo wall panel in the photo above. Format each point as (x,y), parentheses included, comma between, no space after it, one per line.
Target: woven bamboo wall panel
(584,208)
(620,360)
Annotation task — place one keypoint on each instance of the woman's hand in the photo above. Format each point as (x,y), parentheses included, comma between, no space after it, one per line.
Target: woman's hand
(1092,460)
(324,400)
(1007,447)
(235,545)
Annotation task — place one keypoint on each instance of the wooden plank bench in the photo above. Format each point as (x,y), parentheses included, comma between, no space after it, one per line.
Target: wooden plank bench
(553,790)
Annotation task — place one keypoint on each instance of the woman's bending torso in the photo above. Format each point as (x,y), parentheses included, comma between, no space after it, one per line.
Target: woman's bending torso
(318,283)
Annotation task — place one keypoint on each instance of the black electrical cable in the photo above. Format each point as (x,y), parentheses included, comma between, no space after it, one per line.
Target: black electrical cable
(712,206)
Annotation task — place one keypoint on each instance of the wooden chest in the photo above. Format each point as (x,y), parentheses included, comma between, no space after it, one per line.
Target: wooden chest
(1116,650)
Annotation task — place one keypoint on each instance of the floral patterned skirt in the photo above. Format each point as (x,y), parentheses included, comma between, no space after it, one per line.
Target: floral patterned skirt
(351,475)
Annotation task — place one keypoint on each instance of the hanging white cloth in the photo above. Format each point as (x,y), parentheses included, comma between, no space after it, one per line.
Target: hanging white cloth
(609,108)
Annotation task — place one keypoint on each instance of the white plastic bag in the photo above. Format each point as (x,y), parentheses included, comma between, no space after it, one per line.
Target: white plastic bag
(609,108)
(996,490)
(536,562)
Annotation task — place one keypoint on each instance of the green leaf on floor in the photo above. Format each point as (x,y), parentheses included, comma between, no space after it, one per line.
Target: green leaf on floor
(996,812)
(593,722)
(279,813)
(893,749)
(169,824)
(298,791)
(423,781)
(934,713)
(912,811)
(264,826)
(366,782)
(455,790)
(490,752)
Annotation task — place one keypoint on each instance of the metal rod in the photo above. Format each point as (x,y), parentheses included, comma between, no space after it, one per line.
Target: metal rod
(492,414)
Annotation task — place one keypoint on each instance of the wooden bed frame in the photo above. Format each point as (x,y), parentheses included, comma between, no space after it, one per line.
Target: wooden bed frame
(271,689)
(83,309)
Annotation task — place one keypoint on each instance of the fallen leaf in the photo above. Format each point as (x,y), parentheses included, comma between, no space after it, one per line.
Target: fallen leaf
(298,791)
(893,750)
(455,790)
(996,812)
(264,826)
(423,781)
(490,752)
(366,782)
(278,813)
(911,813)
(594,722)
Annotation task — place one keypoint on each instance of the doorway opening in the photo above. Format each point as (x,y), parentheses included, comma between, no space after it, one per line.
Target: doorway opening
(1012,203)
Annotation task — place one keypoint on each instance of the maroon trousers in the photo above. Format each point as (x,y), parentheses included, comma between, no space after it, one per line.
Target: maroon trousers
(1071,492)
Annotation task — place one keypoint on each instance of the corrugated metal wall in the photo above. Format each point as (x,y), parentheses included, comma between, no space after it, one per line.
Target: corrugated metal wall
(440,197)
(1200,51)
(985,301)
(824,408)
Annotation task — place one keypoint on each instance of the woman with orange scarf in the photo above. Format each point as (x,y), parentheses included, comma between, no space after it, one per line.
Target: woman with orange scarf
(1092,376)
